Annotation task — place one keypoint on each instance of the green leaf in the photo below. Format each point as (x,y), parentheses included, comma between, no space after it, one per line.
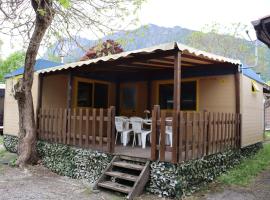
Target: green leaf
(64,3)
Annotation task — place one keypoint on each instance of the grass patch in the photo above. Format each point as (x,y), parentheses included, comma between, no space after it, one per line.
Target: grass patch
(1,140)
(267,135)
(245,172)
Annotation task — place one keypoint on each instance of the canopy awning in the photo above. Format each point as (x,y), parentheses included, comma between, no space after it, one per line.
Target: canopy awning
(190,57)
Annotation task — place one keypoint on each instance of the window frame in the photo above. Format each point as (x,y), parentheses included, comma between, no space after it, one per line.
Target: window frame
(90,81)
(164,82)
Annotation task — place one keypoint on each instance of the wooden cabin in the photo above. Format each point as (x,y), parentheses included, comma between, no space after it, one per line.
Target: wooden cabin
(212,103)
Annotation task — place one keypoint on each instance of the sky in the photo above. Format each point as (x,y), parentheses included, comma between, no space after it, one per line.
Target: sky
(192,14)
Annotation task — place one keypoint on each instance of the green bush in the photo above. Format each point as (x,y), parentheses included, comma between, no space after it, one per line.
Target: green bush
(11,143)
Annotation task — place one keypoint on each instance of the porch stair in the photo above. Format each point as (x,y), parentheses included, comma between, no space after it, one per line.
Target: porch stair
(124,174)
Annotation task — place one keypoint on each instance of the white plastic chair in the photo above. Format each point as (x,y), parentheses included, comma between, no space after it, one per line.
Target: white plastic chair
(168,131)
(137,123)
(122,127)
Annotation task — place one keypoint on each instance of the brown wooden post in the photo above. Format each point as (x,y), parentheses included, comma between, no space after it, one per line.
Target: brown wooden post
(113,129)
(154,138)
(176,104)
(177,82)
(237,104)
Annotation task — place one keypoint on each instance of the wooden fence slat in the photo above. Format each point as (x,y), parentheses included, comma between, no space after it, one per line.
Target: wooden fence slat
(87,128)
(188,134)
(175,137)
(94,127)
(232,130)
(229,129)
(46,124)
(74,118)
(193,140)
(210,134)
(55,125)
(222,127)
(80,126)
(225,130)
(100,127)
(218,132)
(162,136)
(50,132)
(64,127)
(200,135)
(60,126)
(42,124)
(181,134)
(109,130)
(205,134)
(69,126)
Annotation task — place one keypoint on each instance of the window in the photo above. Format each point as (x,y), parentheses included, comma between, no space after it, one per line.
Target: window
(188,95)
(129,98)
(101,95)
(92,94)
(84,96)
(166,96)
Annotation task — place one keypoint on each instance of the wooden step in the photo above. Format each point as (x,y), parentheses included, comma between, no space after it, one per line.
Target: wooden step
(121,175)
(134,159)
(115,186)
(128,165)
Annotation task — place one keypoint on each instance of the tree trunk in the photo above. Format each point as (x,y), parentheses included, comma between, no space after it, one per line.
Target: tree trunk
(23,94)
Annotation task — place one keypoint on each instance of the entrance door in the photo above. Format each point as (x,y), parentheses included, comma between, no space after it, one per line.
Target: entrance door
(128,99)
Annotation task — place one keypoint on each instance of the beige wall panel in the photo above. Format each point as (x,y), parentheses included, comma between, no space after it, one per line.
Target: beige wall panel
(54,91)
(252,113)
(215,94)
(11,117)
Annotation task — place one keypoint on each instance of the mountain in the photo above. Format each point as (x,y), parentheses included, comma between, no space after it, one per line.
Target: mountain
(142,37)
(151,34)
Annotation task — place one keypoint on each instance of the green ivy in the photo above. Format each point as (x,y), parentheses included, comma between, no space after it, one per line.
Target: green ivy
(171,180)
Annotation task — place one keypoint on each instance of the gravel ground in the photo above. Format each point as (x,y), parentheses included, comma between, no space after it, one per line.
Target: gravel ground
(37,182)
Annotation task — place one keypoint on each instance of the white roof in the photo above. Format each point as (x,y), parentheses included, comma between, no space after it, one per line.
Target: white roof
(162,47)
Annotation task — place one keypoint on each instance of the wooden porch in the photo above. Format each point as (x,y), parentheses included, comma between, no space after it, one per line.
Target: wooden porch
(69,115)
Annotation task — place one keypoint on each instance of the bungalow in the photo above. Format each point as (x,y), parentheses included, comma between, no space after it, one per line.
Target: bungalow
(204,102)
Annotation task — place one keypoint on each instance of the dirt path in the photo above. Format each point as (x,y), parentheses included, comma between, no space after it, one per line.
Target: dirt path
(38,182)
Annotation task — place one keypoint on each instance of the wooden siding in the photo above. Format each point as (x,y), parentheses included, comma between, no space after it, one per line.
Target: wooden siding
(11,118)
(215,94)
(252,110)
(54,91)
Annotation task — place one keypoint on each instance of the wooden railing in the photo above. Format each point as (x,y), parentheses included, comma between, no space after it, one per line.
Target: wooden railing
(89,128)
(194,134)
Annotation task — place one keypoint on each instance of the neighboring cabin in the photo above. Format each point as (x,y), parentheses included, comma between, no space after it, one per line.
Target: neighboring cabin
(11,118)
